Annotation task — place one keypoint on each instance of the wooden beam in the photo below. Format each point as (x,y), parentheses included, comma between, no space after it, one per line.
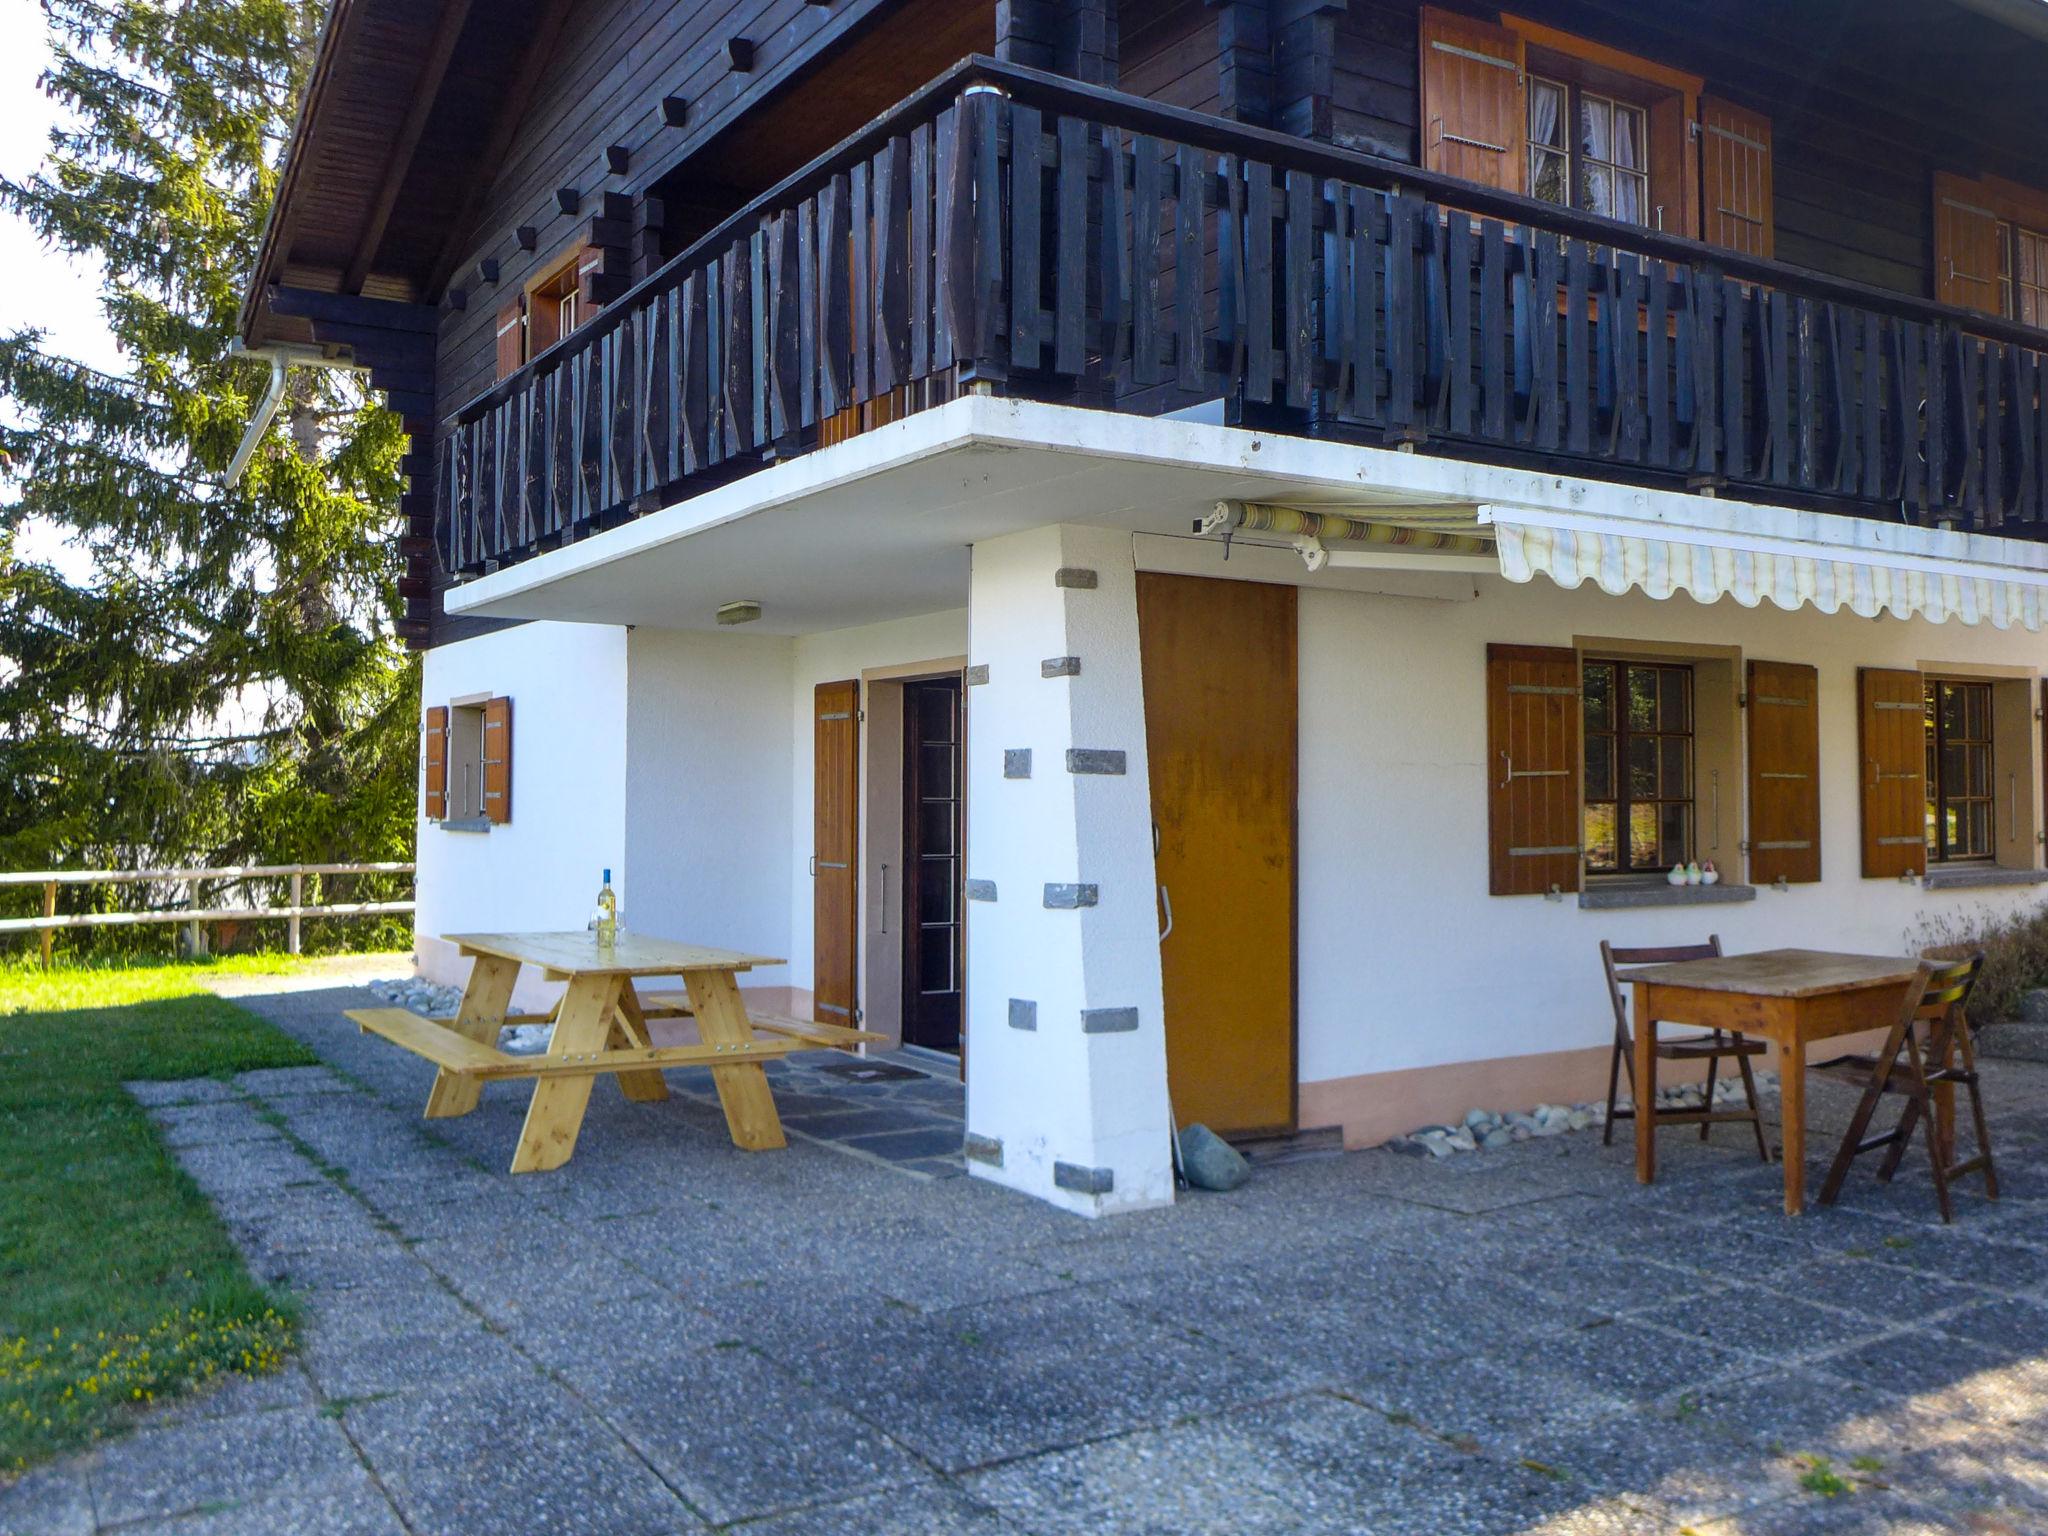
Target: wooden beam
(511,109)
(426,90)
(349,309)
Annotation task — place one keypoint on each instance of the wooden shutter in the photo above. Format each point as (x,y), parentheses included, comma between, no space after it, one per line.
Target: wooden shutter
(1784,773)
(1892,734)
(437,762)
(497,754)
(1474,113)
(835,856)
(1735,176)
(1966,246)
(511,338)
(1532,765)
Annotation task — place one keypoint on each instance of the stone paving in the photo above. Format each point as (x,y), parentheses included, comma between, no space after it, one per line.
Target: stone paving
(670,1335)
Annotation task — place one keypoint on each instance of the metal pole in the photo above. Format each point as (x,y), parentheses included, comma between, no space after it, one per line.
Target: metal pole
(48,935)
(297,892)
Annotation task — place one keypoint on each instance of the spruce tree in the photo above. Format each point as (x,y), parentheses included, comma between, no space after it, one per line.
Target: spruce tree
(220,683)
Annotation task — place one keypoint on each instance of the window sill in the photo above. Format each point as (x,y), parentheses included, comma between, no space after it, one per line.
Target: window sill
(1980,875)
(1621,895)
(468,824)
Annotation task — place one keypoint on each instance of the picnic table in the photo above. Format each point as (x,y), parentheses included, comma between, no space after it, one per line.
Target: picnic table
(600,1028)
(1791,997)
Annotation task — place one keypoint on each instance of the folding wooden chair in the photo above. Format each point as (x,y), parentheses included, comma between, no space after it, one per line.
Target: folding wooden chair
(1936,1008)
(1712,1047)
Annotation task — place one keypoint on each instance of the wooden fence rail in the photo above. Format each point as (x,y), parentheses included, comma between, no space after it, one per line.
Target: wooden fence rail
(1007,230)
(293,913)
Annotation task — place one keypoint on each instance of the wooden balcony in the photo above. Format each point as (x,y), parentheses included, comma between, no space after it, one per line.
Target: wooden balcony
(1008,230)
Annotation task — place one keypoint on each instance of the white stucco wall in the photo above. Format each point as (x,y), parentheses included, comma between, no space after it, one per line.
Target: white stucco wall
(707,791)
(1405,960)
(540,870)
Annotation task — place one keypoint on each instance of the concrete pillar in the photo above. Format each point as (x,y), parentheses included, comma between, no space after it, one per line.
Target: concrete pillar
(1066,1079)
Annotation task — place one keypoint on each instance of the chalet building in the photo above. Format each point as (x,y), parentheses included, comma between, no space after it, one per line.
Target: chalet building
(1204,550)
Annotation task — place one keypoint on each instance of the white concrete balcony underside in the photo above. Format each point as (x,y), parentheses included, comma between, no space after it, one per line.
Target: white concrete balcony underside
(880,526)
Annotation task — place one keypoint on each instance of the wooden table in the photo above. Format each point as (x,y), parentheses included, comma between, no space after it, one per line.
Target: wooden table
(601,1029)
(1791,997)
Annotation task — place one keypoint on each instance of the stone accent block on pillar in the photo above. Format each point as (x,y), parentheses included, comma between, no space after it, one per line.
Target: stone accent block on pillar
(1081,1113)
(981,890)
(1017,763)
(982,1149)
(1066,898)
(1023,1013)
(1084,1181)
(1060,666)
(1108,1021)
(977,675)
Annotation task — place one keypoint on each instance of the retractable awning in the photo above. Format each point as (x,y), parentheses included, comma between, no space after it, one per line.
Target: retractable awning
(1752,554)
(1617,554)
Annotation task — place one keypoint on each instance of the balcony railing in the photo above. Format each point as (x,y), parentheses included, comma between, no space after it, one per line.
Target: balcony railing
(1010,229)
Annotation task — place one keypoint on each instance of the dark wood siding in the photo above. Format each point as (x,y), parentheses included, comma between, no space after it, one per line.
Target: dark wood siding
(1374,93)
(1171,50)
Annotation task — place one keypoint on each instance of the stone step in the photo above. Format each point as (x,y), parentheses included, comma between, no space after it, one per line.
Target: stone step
(2014,1040)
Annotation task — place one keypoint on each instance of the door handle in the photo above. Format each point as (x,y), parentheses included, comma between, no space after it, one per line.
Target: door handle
(814,866)
(1166,906)
(885,898)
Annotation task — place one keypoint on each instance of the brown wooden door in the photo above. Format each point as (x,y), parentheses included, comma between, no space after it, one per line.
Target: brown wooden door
(835,851)
(931,863)
(1221,725)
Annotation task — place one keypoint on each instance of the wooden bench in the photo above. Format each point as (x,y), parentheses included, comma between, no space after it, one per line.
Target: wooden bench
(457,1054)
(676,1005)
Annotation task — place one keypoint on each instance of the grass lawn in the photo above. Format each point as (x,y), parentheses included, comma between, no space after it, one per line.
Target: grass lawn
(118,1284)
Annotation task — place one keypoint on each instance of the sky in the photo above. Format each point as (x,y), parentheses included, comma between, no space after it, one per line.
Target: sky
(63,296)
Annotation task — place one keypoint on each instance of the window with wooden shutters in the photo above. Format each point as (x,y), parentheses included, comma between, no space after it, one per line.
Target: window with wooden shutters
(1968,238)
(1892,738)
(511,338)
(1991,246)
(1784,773)
(497,761)
(1735,177)
(436,775)
(1532,762)
(1472,100)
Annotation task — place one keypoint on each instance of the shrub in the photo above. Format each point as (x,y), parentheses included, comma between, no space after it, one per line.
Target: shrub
(2015,955)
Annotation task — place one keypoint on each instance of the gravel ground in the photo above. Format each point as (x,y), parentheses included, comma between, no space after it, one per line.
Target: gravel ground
(671,1335)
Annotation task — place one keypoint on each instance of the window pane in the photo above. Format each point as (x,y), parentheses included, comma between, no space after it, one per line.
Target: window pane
(1596,189)
(1642,767)
(1546,113)
(1955,776)
(1596,124)
(1980,712)
(1599,837)
(1628,137)
(1642,698)
(1677,767)
(1642,837)
(1599,767)
(1674,713)
(1599,692)
(1547,177)
(1978,821)
(935,771)
(1677,834)
(935,891)
(1933,827)
(935,960)
(1631,198)
(1952,710)
(935,827)
(1980,771)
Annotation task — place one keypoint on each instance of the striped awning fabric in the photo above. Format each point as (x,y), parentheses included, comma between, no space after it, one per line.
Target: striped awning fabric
(1752,569)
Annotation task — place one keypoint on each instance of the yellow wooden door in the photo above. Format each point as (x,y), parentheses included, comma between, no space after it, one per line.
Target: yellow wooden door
(1221,730)
(835,914)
